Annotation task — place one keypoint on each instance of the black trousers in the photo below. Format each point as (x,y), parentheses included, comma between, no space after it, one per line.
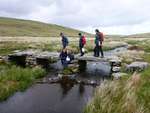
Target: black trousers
(81,52)
(97,51)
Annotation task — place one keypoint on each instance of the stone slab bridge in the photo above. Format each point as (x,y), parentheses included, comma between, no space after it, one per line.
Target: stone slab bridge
(44,58)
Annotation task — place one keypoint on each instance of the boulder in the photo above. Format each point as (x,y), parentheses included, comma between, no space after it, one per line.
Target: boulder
(116,69)
(115,62)
(118,75)
(136,66)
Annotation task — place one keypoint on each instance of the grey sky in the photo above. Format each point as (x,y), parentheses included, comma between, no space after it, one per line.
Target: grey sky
(111,16)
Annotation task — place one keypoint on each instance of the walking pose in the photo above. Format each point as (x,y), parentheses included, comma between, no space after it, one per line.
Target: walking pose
(99,38)
(64,40)
(82,42)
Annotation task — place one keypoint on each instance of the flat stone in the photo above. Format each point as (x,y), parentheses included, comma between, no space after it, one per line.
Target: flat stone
(137,66)
(115,62)
(54,80)
(60,75)
(45,57)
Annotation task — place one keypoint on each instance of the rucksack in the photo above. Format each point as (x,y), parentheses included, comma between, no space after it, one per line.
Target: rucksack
(83,40)
(101,35)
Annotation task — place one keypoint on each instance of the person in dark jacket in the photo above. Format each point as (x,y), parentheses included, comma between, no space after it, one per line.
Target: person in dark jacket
(64,40)
(63,56)
(81,44)
(98,44)
(70,56)
(66,57)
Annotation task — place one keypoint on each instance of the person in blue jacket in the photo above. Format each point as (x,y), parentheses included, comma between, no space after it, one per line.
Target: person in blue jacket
(64,40)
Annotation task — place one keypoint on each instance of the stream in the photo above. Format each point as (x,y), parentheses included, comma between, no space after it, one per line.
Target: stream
(59,98)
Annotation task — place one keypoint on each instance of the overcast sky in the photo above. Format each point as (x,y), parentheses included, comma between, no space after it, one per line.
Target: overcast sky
(110,16)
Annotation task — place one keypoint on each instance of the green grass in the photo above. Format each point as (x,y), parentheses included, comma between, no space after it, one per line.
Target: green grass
(70,70)
(144,91)
(18,27)
(146,57)
(13,79)
(145,44)
(128,95)
(133,42)
(8,47)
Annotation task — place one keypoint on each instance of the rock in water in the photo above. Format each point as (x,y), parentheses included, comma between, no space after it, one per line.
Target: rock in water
(116,69)
(137,66)
(115,62)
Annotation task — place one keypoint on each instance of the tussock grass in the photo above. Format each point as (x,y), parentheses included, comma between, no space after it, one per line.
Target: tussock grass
(146,57)
(13,78)
(144,91)
(128,95)
(131,56)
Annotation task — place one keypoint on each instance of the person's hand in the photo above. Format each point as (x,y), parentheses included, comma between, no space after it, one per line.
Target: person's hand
(101,45)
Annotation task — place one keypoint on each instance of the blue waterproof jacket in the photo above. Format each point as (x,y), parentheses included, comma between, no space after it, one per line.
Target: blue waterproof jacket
(65,41)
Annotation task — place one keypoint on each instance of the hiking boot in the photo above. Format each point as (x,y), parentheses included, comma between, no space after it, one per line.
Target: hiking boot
(102,56)
(96,56)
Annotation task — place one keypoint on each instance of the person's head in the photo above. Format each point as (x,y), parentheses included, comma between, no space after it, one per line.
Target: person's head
(64,50)
(61,34)
(97,31)
(80,34)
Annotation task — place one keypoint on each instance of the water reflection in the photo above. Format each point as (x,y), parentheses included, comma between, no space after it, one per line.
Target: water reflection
(66,86)
(81,89)
(45,98)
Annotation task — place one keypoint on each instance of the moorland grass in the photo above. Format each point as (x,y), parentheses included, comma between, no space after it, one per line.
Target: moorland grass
(10,46)
(13,79)
(128,95)
(144,44)
(144,91)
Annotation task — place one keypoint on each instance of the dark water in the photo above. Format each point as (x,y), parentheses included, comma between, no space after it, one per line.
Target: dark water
(46,98)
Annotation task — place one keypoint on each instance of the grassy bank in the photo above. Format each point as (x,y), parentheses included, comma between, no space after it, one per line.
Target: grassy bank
(13,79)
(143,45)
(128,95)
